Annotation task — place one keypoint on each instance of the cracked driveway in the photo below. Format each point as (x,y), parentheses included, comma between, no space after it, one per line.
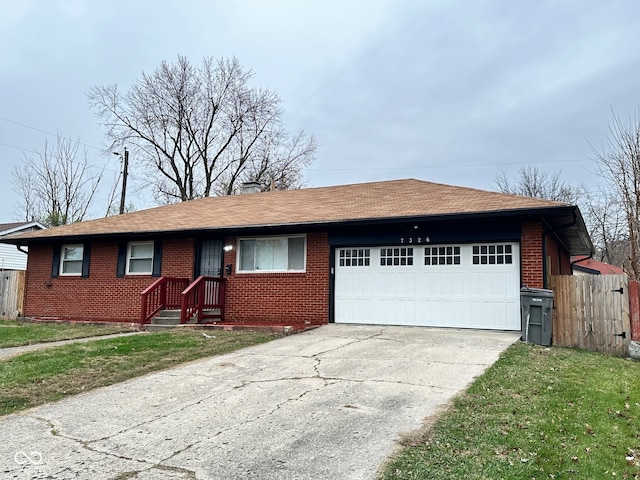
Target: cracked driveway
(324,404)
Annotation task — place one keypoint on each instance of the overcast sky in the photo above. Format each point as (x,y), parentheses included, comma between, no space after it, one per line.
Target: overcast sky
(447,91)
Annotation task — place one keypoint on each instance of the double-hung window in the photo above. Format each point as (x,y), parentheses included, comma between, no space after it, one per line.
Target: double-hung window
(140,258)
(272,254)
(71,259)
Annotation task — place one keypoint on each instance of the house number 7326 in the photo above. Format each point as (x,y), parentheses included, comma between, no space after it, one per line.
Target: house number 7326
(412,240)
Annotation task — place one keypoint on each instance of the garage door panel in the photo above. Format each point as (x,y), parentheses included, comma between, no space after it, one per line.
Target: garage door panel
(480,290)
(499,312)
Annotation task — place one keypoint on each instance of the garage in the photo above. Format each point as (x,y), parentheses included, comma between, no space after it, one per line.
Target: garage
(473,285)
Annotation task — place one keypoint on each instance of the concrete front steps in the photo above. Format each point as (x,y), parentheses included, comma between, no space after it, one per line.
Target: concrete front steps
(169,319)
(164,320)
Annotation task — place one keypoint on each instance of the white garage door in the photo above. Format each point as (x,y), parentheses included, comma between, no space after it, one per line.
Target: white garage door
(462,286)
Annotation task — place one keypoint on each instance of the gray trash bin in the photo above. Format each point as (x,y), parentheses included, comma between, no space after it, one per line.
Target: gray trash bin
(536,315)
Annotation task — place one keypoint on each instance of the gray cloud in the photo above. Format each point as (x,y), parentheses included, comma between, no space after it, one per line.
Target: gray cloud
(445,91)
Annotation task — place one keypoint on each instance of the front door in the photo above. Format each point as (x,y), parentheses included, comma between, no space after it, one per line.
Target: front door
(211,257)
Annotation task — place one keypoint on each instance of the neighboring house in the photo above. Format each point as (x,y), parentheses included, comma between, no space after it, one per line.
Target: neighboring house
(403,252)
(583,265)
(10,257)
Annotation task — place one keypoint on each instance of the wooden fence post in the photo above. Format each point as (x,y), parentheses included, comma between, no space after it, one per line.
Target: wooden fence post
(12,293)
(634,309)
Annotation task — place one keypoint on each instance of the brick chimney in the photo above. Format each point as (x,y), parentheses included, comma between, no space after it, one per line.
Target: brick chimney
(251,187)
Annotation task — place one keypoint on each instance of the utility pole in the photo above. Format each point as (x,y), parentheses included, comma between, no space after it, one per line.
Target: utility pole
(125,172)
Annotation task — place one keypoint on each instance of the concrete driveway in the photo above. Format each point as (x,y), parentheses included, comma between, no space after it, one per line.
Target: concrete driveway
(329,403)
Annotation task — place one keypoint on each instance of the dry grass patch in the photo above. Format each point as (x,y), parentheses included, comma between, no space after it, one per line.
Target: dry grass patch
(51,374)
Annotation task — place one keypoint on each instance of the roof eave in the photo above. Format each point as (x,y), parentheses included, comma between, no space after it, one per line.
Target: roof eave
(522,213)
(24,226)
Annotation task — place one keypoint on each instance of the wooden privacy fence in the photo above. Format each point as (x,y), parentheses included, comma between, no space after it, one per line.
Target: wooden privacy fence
(591,312)
(12,287)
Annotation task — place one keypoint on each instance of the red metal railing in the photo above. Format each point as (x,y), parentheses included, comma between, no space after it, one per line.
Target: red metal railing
(203,298)
(162,294)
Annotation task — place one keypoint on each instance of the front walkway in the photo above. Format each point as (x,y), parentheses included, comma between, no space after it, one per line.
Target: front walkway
(326,403)
(9,352)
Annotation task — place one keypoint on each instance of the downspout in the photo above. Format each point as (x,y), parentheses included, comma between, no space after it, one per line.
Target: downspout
(581,260)
(548,231)
(19,247)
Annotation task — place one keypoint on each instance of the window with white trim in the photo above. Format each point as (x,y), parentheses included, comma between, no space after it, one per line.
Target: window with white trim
(442,255)
(272,254)
(492,254)
(139,258)
(71,259)
(399,256)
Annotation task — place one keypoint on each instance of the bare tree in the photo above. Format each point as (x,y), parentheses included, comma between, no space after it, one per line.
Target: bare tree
(275,161)
(619,160)
(602,211)
(605,219)
(202,130)
(58,186)
(533,182)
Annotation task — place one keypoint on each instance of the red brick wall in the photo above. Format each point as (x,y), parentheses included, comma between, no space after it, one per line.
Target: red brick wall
(102,296)
(531,254)
(558,257)
(277,298)
(558,260)
(281,298)
(178,257)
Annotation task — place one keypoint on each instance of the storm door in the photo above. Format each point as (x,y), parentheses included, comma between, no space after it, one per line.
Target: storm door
(211,257)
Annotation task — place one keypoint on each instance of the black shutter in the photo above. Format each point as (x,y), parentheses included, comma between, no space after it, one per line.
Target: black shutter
(55,264)
(86,260)
(157,258)
(122,259)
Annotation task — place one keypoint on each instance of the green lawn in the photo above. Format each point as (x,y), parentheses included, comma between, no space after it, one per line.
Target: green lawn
(538,413)
(14,333)
(47,375)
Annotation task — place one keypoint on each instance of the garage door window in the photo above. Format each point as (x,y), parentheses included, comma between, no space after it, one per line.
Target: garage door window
(355,257)
(396,256)
(442,255)
(492,255)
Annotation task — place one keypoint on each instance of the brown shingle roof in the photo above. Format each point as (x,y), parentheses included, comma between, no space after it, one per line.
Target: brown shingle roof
(365,201)
(10,226)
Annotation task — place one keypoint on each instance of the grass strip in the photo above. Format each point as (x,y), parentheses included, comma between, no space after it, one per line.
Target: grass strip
(15,333)
(47,375)
(537,413)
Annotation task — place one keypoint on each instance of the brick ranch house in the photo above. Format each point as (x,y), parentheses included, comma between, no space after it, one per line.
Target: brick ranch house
(405,252)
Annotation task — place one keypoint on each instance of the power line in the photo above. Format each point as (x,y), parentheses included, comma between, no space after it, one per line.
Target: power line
(46,133)
(103,167)
(18,148)
(466,165)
